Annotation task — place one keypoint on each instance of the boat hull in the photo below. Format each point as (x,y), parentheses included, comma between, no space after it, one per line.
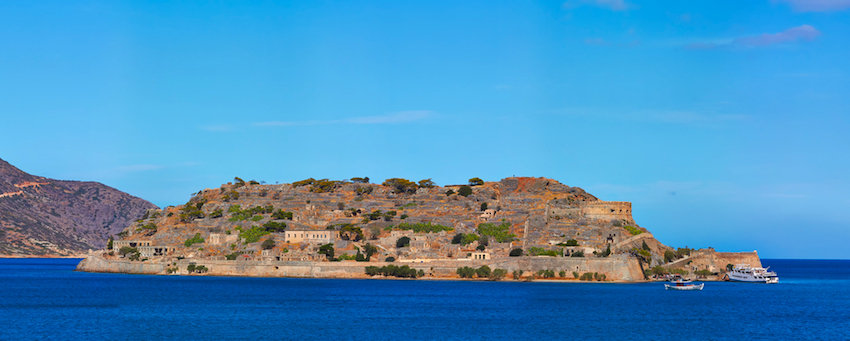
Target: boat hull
(684,287)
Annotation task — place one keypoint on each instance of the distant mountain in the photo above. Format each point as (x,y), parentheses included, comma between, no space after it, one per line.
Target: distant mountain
(41,216)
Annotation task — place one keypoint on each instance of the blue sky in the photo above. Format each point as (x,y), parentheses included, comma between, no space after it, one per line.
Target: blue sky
(724,122)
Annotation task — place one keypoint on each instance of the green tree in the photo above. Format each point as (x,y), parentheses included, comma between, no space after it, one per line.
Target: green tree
(729,267)
(572,242)
(483,271)
(669,256)
(400,185)
(363,180)
(268,244)
(427,183)
(327,250)
(194,240)
(516,252)
(476,182)
(109,243)
(483,206)
(449,192)
(402,242)
(389,259)
(499,232)
(464,190)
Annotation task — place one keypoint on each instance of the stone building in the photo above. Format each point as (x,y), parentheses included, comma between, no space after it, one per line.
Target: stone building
(319,237)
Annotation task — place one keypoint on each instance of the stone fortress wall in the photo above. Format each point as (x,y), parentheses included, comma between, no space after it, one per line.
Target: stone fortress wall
(621,210)
(616,268)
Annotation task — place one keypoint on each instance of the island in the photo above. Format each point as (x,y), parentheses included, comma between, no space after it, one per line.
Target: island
(519,228)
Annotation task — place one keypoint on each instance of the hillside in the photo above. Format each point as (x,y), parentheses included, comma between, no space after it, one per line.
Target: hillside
(41,216)
(541,216)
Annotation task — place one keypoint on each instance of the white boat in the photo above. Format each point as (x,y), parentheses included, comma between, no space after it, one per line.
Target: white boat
(746,273)
(683,285)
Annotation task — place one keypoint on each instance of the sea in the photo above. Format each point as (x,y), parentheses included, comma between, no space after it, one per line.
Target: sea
(45,299)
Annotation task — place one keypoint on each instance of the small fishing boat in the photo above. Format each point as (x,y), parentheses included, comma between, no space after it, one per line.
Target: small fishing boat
(682,284)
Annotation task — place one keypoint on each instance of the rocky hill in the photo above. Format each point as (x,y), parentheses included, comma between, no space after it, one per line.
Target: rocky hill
(41,216)
(537,215)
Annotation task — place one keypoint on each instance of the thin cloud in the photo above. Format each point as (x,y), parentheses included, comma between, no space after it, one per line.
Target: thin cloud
(791,35)
(614,5)
(394,118)
(816,5)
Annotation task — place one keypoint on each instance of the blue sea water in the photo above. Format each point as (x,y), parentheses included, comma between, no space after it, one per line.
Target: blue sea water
(44,299)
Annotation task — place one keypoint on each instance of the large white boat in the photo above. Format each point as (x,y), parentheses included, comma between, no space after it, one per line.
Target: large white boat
(746,273)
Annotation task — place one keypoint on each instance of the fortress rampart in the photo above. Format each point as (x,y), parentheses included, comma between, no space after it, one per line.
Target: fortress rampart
(608,210)
(616,268)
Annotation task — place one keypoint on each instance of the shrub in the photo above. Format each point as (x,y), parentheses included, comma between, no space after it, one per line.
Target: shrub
(390,259)
(324,186)
(483,271)
(363,180)
(403,216)
(468,238)
(450,192)
(402,242)
(351,232)
(587,276)
(669,256)
(425,227)
(395,271)
(457,238)
(538,251)
(476,182)
(633,230)
(218,213)
(562,274)
(109,243)
(281,214)
(500,232)
(575,274)
(268,244)
(427,183)
(400,185)
(257,218)
(480,247)
(572,242)
(274,226)
(498,274)
(577,254)
(124,250)
(516,252)
(233,256)
(464,190)
(466,272)
(304,182)
(194,240)
(253,234)
(483,206)
(516,274)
